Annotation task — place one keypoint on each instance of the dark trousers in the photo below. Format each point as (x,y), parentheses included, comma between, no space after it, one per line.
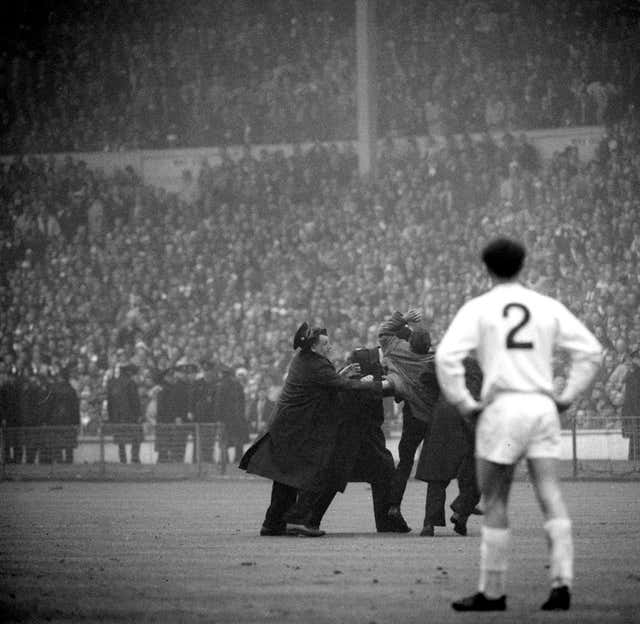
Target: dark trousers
(311,507)
(283,497)
(135,452)
(634,447)
(414,431)
(468,497)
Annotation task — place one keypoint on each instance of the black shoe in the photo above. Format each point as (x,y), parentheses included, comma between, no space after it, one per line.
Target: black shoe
(427,531)
(395,522)
(303,530)
(479,602)
(459,524)
(267,531)
(559,598)
(477,511)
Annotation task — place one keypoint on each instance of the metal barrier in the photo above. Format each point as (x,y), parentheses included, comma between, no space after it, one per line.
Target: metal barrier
(606,453)
(193,450)
(199,451)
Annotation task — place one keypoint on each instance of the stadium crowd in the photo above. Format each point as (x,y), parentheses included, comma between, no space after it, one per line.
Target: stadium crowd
(94,264)
(92,75)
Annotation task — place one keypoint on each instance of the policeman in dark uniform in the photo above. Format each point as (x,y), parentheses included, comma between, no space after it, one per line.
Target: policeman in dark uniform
(125,413)
(230,409)
(65,417)
(204,409)
(183,401)
(361,453)
(10,415)
(35,406)
(166,415)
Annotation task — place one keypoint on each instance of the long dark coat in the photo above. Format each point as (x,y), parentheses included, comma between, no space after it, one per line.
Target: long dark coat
(361,453)
(631,404)
(66,414)
(229,407)
(299,447)
(172,404)
(124,410)
(450,445)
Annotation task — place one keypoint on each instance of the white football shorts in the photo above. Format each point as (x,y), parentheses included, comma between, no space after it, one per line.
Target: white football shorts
(517,425)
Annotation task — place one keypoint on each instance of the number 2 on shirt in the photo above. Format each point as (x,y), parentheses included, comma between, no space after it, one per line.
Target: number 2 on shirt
(522,317)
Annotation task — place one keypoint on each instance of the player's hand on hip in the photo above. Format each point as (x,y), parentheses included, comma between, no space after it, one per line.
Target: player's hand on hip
(562,405)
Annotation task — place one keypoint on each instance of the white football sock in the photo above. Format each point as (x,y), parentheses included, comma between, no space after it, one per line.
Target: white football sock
(560,551)
(494,546)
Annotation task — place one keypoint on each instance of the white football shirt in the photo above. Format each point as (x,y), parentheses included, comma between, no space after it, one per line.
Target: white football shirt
(513,331)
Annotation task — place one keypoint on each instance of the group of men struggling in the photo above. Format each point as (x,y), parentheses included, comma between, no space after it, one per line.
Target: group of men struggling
(499,406)
(330,433)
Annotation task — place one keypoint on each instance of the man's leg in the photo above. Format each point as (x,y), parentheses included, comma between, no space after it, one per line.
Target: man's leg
(304,516)
(434,507)
(282,498)
(468,497)
(122,453)
(314,506)
(495,483)
(543,472)
(135,452)
(414,432)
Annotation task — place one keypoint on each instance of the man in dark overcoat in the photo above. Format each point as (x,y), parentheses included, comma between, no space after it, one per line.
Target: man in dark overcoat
(182,409)
(260,411)
(204,409)
(125,413)
(166,415)
(65,417)
(10,414)
(35,407)
(361,453)
(230,409)
(406,347)
(631,407)
(297,450)
(447,454)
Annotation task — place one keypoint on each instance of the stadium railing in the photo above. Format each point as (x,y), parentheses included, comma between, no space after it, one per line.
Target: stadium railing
(201,451)
(193,450)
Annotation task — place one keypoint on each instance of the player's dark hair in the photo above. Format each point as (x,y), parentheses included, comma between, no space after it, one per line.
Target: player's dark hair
(420,341)
(504,257)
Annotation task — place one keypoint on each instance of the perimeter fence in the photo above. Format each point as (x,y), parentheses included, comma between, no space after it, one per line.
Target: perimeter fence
(118,451)
(201,451)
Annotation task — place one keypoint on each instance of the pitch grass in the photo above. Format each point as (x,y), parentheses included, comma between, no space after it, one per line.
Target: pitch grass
(189,552)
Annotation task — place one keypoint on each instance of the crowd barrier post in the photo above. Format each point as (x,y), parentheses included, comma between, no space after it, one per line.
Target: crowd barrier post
(222,442)
(3,459)
(574,445)
(196,448)
(103,466)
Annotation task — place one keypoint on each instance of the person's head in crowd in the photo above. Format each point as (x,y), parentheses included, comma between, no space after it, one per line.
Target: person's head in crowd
(208,370)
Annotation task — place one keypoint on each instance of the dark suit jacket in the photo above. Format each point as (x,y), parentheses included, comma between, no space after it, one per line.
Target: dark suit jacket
(268,409)
(412,374)
(361,453)
(229,406)
(123,408)
(451,439)
(631,404)
(299,446)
